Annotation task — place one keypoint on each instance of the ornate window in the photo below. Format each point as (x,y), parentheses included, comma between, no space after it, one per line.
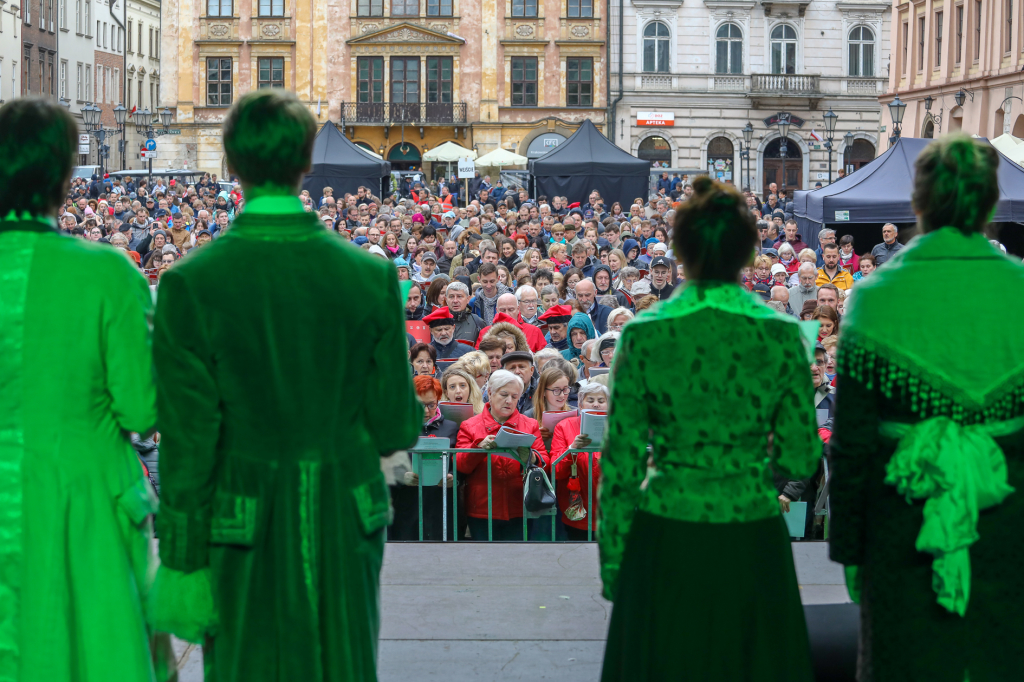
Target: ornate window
(524,81)
(729,49)
(783,49)
(862,52)
(577,9)
(271,8)
(439,80)
(405,8)
(524,8)
(370,8)
(579,82)
(214,8)
(656,47)
(271,72)
(218,82)
(439,8)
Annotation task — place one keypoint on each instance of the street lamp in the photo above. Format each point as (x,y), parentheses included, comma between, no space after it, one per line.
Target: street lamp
(848,139)
(748,135)
(783,122)
(144,126)
(120,114)
(896,110)
(831,118)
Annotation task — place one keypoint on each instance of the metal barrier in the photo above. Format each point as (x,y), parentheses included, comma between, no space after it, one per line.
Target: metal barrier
(448,459)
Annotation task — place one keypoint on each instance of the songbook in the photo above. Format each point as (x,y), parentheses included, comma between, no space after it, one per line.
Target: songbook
(597,371)
(549,420)
(592,425)
(432,469)
(456,412)
(508,438)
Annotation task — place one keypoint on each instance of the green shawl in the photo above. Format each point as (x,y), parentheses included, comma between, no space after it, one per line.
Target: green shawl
(962,376)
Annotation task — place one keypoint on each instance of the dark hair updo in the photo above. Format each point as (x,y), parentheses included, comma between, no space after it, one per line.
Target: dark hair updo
(715,232)
(956,184)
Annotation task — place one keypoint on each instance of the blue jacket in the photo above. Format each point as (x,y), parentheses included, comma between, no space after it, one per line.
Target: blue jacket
(498,193)
(599,316)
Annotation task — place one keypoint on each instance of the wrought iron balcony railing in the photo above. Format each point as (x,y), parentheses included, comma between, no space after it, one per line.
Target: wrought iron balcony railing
(392,113)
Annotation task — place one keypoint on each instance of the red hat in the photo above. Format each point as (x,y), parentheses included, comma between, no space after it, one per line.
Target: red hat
(502,317)
(440,317)
(106,175)
(556,314)
(574,205)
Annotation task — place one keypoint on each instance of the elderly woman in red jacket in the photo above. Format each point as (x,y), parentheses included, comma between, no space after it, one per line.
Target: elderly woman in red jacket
(503,390)
(578,511)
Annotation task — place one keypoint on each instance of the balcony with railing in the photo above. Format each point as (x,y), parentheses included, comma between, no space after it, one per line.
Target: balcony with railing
(393,113)
(782,84)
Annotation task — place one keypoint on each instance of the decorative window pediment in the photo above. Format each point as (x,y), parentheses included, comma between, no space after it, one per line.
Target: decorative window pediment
(405,33)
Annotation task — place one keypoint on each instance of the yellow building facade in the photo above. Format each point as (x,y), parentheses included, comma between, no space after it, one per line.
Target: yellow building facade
(399,77)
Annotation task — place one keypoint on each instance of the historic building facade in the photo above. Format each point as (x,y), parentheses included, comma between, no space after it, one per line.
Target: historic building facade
(695,73)
(11,50)
(957,65)
(400,76)
(39,74)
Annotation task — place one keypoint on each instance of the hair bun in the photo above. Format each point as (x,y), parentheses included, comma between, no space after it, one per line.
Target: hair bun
(703,185)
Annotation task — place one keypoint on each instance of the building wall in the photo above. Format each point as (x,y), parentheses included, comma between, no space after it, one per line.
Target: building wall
(982,54)
(142,70)
(39,48)
(707,105)
(11,50)
(321,45)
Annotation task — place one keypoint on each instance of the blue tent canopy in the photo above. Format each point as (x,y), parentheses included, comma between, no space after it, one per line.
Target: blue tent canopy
(880,192)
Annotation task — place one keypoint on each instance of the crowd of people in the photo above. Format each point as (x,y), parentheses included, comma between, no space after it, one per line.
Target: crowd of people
(518,296)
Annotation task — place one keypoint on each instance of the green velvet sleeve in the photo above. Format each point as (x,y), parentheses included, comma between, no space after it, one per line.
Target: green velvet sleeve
(127,317)
(853,443)
(624,458)
(185,388)
(394,415)
(797,447)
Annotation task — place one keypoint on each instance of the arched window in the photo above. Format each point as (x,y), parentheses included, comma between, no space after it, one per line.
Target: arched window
(656,150)
(859,155)
(656,47)
(783,49)
(862,52)
(729,49)
(720,159)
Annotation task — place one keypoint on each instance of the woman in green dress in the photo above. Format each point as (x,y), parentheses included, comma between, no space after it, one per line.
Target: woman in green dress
(698,560)
(75,381)
(928,445)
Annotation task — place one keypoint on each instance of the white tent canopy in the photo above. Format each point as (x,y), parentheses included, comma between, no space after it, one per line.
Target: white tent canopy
(1011,147)
(501,157)
(449,152)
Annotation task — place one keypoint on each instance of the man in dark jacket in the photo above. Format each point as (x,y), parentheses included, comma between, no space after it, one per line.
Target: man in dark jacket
(579,260)
(791,237)
(661,275)
(557,319)
(586,294)
(442,334)
(467,325)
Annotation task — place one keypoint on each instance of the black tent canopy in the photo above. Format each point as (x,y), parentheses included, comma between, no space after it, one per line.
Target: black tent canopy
(344,166)
(880,191)
(587,161)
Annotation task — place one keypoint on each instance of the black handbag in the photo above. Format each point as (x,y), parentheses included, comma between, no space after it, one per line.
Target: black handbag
(538,493)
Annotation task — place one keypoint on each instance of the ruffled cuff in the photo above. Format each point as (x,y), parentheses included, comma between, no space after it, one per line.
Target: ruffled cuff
(184,539)
(182,604)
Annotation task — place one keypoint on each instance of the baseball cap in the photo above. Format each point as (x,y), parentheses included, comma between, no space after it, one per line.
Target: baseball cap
(661,260)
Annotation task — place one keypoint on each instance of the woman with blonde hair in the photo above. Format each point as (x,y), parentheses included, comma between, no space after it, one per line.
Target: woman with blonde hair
(476,365)
(459,386)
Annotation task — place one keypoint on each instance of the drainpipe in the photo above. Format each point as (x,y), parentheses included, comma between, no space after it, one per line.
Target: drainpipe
(614,105)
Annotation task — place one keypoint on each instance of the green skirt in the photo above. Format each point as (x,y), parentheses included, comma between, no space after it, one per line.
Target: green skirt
(707,601)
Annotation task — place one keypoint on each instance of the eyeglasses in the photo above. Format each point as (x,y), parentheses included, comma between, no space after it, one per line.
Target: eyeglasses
(607,352)
(430,407)
(558,391)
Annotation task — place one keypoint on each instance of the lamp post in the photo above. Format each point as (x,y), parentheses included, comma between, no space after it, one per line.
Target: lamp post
(144,126)
(91,115)
(896,110)
(748,135)
(848,139)
(831,118)
(783,122)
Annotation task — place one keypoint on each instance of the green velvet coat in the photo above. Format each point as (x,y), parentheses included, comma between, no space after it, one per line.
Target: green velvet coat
(282,376)
(74,503)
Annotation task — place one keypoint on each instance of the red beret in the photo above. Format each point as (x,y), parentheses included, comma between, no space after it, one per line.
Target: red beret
(556,314)
(439,317)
